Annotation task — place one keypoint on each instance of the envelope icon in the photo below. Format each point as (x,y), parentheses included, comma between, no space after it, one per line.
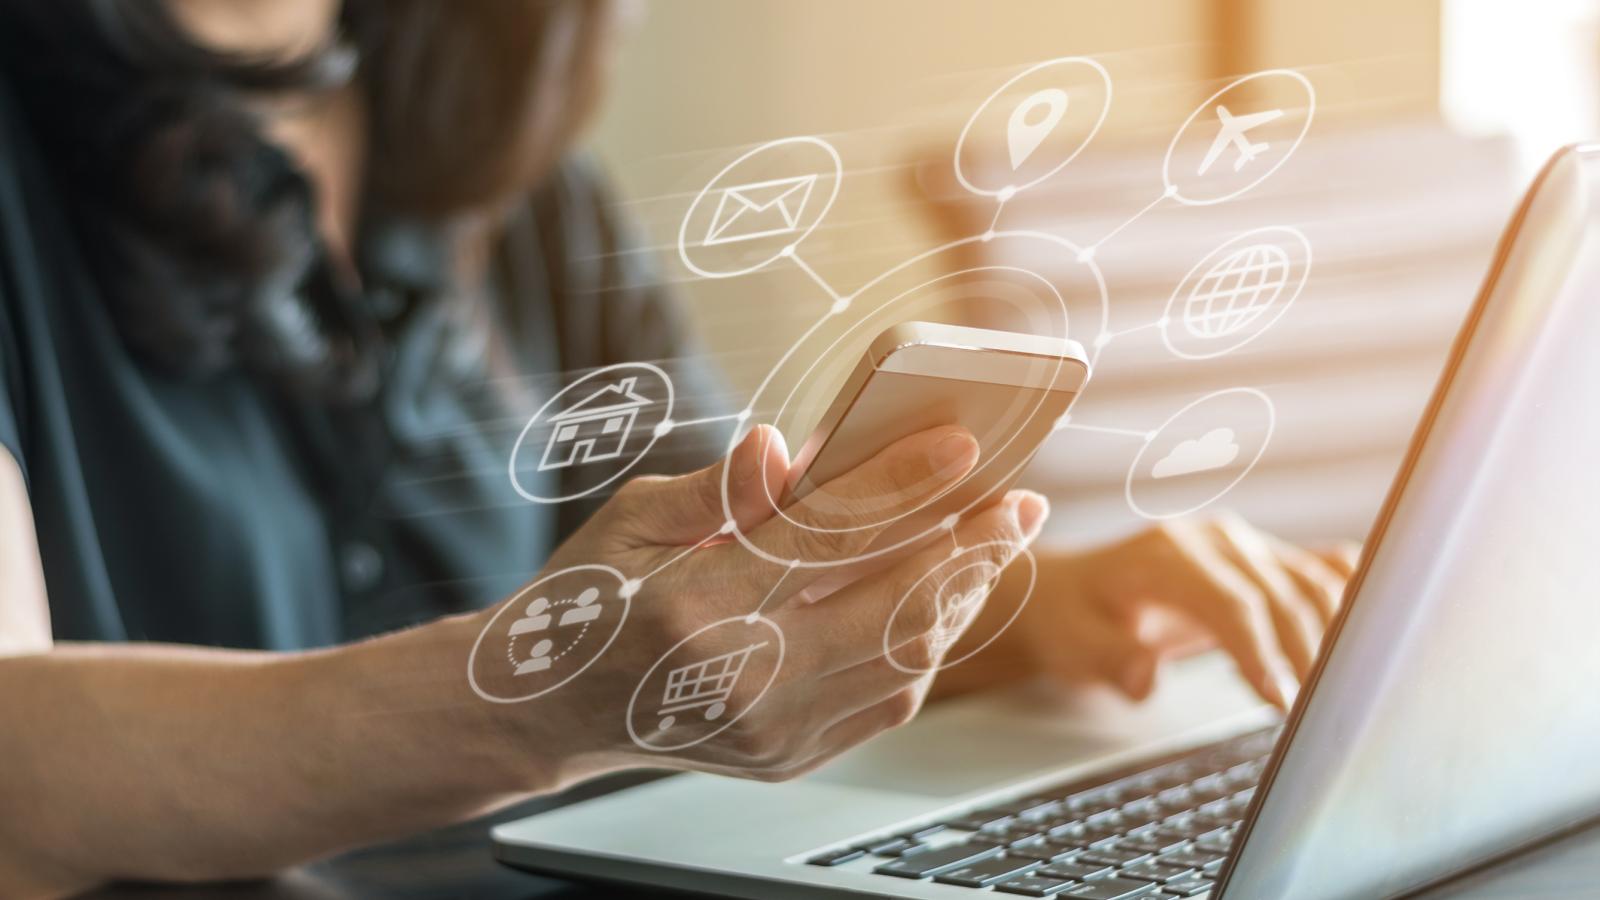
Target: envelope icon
(759,209)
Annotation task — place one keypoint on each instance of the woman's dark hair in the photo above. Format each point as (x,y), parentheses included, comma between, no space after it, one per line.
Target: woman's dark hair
(202,230)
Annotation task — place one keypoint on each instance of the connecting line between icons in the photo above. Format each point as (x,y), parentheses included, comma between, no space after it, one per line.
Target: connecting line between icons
(1169,192)
(793,564)
(1065,422)
(838,298)
(1107,337)
(727,528)
(672,424)
(994,223)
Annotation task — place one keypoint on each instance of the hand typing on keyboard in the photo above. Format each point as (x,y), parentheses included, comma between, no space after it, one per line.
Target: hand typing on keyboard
(1112,614)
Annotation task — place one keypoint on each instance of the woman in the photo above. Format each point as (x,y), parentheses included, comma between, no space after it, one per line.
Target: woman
(278,281)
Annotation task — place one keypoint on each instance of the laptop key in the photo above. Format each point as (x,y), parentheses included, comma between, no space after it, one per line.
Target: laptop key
(980,818)
(836,857)
(1068,831)
(1152,842)
(1185,828)
(1154,870)
(1094,835)
(1142,812)
(1110,889)
(896,846)
(1080,839)
(1080,871)
(1040,849)
(1114,856)
(1088,806)
(1219,841)
(1033,885)
(1210,821)
(1197,889)
(986,871)
(922,865)
(1180,797)
(1017,830)
(1033,807)
(1242,775)
(1193,857)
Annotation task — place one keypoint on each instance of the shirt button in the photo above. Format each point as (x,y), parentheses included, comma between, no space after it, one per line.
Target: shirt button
(360,565)
(386,303)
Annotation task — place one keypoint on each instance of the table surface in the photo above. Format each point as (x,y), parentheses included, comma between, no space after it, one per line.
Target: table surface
(456,862)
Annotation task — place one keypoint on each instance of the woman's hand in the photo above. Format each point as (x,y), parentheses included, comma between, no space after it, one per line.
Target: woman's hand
(1112,614)
(818,681)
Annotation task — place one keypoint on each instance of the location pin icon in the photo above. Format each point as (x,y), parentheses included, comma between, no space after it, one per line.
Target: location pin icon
(1022,136)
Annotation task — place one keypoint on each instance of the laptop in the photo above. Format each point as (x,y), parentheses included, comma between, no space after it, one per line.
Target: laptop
(1451,719)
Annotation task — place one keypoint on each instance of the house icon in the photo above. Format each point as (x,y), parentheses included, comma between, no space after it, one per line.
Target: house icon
(594,428)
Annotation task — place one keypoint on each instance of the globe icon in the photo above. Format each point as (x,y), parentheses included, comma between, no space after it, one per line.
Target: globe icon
(1235,291)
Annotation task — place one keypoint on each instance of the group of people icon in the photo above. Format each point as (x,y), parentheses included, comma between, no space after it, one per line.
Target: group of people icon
(585,608)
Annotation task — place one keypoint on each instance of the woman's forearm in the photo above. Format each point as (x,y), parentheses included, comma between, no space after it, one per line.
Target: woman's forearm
(164,762)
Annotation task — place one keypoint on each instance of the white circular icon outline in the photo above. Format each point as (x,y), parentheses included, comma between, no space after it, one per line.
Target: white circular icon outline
(1022,552)
(794,241)
(1008,190)
(1133,468)
(539,416)
(1280,303)
(515,602)
(751,619)
(1093,349)
(1166,163)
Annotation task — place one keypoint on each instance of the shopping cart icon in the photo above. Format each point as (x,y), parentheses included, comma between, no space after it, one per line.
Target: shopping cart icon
(705,684)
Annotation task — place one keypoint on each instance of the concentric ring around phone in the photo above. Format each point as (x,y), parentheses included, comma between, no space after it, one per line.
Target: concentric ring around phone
(1066,250)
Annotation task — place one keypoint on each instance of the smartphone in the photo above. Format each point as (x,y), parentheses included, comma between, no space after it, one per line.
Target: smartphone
(1009,389)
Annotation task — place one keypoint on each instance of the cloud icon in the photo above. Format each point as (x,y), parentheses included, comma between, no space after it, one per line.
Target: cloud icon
(1213,450)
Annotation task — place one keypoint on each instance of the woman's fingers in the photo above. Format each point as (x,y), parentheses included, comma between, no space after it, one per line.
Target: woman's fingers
(892,711)
(1315,578)
(900,607)
(1342,557)
(840,519)
(1294,615)
(684,510)
(855,729)
(851,690)
(1227,602)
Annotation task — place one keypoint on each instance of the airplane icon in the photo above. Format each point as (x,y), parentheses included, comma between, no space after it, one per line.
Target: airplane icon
(1232,131)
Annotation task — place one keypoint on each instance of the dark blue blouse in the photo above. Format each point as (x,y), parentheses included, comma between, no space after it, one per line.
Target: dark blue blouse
(225,511)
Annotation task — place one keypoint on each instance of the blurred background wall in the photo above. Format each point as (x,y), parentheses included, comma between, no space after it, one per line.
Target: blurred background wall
(1402,186)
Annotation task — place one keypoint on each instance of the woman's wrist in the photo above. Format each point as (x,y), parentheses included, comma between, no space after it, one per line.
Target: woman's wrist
(414,684)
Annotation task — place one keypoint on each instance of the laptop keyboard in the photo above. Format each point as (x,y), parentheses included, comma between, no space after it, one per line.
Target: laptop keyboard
(1159,831)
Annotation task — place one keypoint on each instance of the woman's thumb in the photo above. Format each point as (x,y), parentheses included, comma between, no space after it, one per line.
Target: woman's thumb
(687,509)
